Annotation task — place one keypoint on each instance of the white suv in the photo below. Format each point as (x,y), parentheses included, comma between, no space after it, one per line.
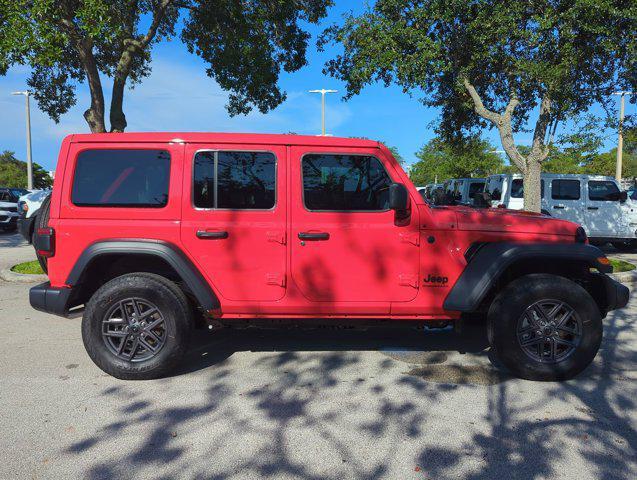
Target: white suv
(594,201)
(9,207)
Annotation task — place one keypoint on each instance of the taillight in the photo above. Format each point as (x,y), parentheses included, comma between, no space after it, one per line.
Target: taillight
(45,242)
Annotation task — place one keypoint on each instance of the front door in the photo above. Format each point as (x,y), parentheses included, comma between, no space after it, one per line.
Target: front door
(605,215)
(234,218)
(348,249)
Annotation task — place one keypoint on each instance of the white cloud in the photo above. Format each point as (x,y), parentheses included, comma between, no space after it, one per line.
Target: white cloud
(175,97)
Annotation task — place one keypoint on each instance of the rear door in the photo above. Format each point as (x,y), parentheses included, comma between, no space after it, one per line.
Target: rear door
(566,201)
(349,253)
(234,218)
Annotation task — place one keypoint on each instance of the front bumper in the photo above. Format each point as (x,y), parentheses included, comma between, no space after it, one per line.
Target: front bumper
(8,219)
(617,294)
(48,299)
(24,226)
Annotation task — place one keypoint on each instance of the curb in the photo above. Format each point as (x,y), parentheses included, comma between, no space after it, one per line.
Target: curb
(8,276)
(629,278)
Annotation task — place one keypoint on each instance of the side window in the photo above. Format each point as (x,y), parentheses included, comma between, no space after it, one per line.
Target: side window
(121,178)
(344,183)
(603,190)
(517,188)
(565,190)
(234,180)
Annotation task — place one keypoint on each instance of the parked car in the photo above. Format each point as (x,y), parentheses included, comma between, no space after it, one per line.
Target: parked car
(463,190)
(593,201)
(9,207)
(155,234)
(28,210)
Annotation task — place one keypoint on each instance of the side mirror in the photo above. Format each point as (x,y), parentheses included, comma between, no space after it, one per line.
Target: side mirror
(623,196)
(398,197)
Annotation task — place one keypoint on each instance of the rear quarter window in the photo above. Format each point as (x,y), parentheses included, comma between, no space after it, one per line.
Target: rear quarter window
(121,178)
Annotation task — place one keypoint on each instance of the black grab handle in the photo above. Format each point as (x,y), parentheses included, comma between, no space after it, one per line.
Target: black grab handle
(211,235)
(314,236)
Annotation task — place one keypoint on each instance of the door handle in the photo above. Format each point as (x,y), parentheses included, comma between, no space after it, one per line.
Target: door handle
(592,208)
(314,236)
(211,235)
(558,207)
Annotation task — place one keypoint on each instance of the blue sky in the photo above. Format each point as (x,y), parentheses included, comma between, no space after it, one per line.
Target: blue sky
(178,96)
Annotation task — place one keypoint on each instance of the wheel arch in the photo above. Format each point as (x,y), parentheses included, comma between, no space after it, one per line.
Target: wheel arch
(105,260)
(493,265)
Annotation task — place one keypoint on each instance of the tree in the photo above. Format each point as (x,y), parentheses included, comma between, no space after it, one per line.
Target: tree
(470,157)
(494,63)
(245,44)
(13,173)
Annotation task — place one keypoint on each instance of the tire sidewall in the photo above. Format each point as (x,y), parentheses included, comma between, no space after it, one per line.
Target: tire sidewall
(511,304)
(154,292)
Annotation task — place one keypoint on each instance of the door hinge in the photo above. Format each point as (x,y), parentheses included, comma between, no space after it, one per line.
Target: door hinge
(408,280)
(275,279)
(413,238)
(277,237)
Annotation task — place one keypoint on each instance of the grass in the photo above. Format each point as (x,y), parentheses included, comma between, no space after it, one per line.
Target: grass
(620,265)
(31,268)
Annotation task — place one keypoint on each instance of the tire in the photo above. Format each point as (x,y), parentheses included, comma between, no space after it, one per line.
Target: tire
(509,326)
(42,221)
(625,246)
(148,291)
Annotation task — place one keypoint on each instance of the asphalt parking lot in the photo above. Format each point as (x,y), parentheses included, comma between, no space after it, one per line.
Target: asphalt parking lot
(313,404)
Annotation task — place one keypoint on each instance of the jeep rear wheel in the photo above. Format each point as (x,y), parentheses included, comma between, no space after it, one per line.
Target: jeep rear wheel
(137,326)
(545,327)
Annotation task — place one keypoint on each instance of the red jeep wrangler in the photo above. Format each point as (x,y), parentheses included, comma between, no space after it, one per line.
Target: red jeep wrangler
(156,233)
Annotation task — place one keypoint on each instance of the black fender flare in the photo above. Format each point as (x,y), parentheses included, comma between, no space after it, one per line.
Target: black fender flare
(492,259)
(168,252)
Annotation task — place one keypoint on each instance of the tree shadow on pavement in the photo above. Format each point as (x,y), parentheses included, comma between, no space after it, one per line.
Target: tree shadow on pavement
(307,411)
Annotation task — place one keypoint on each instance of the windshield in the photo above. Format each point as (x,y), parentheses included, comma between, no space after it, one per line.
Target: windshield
(494,187)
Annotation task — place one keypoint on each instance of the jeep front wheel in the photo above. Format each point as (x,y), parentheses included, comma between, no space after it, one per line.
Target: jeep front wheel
(137,326)
(545,327)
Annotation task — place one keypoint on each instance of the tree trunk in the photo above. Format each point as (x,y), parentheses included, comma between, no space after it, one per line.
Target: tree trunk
(532,186)
(531,165)
(118,119)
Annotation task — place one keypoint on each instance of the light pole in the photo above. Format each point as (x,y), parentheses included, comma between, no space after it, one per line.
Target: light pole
(322,91)
(620,136)
(29,160)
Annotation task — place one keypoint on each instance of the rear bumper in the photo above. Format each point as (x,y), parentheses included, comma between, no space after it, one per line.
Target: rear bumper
(24,226)
(617,294)
(48,299)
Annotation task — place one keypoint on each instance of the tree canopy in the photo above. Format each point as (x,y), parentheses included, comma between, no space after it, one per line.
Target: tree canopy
(13,173)
(65,42)
(506,64)
(472,157)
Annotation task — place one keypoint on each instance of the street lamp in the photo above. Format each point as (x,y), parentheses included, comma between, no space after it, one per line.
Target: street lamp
(620,136)
(322,92)
(29,160)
